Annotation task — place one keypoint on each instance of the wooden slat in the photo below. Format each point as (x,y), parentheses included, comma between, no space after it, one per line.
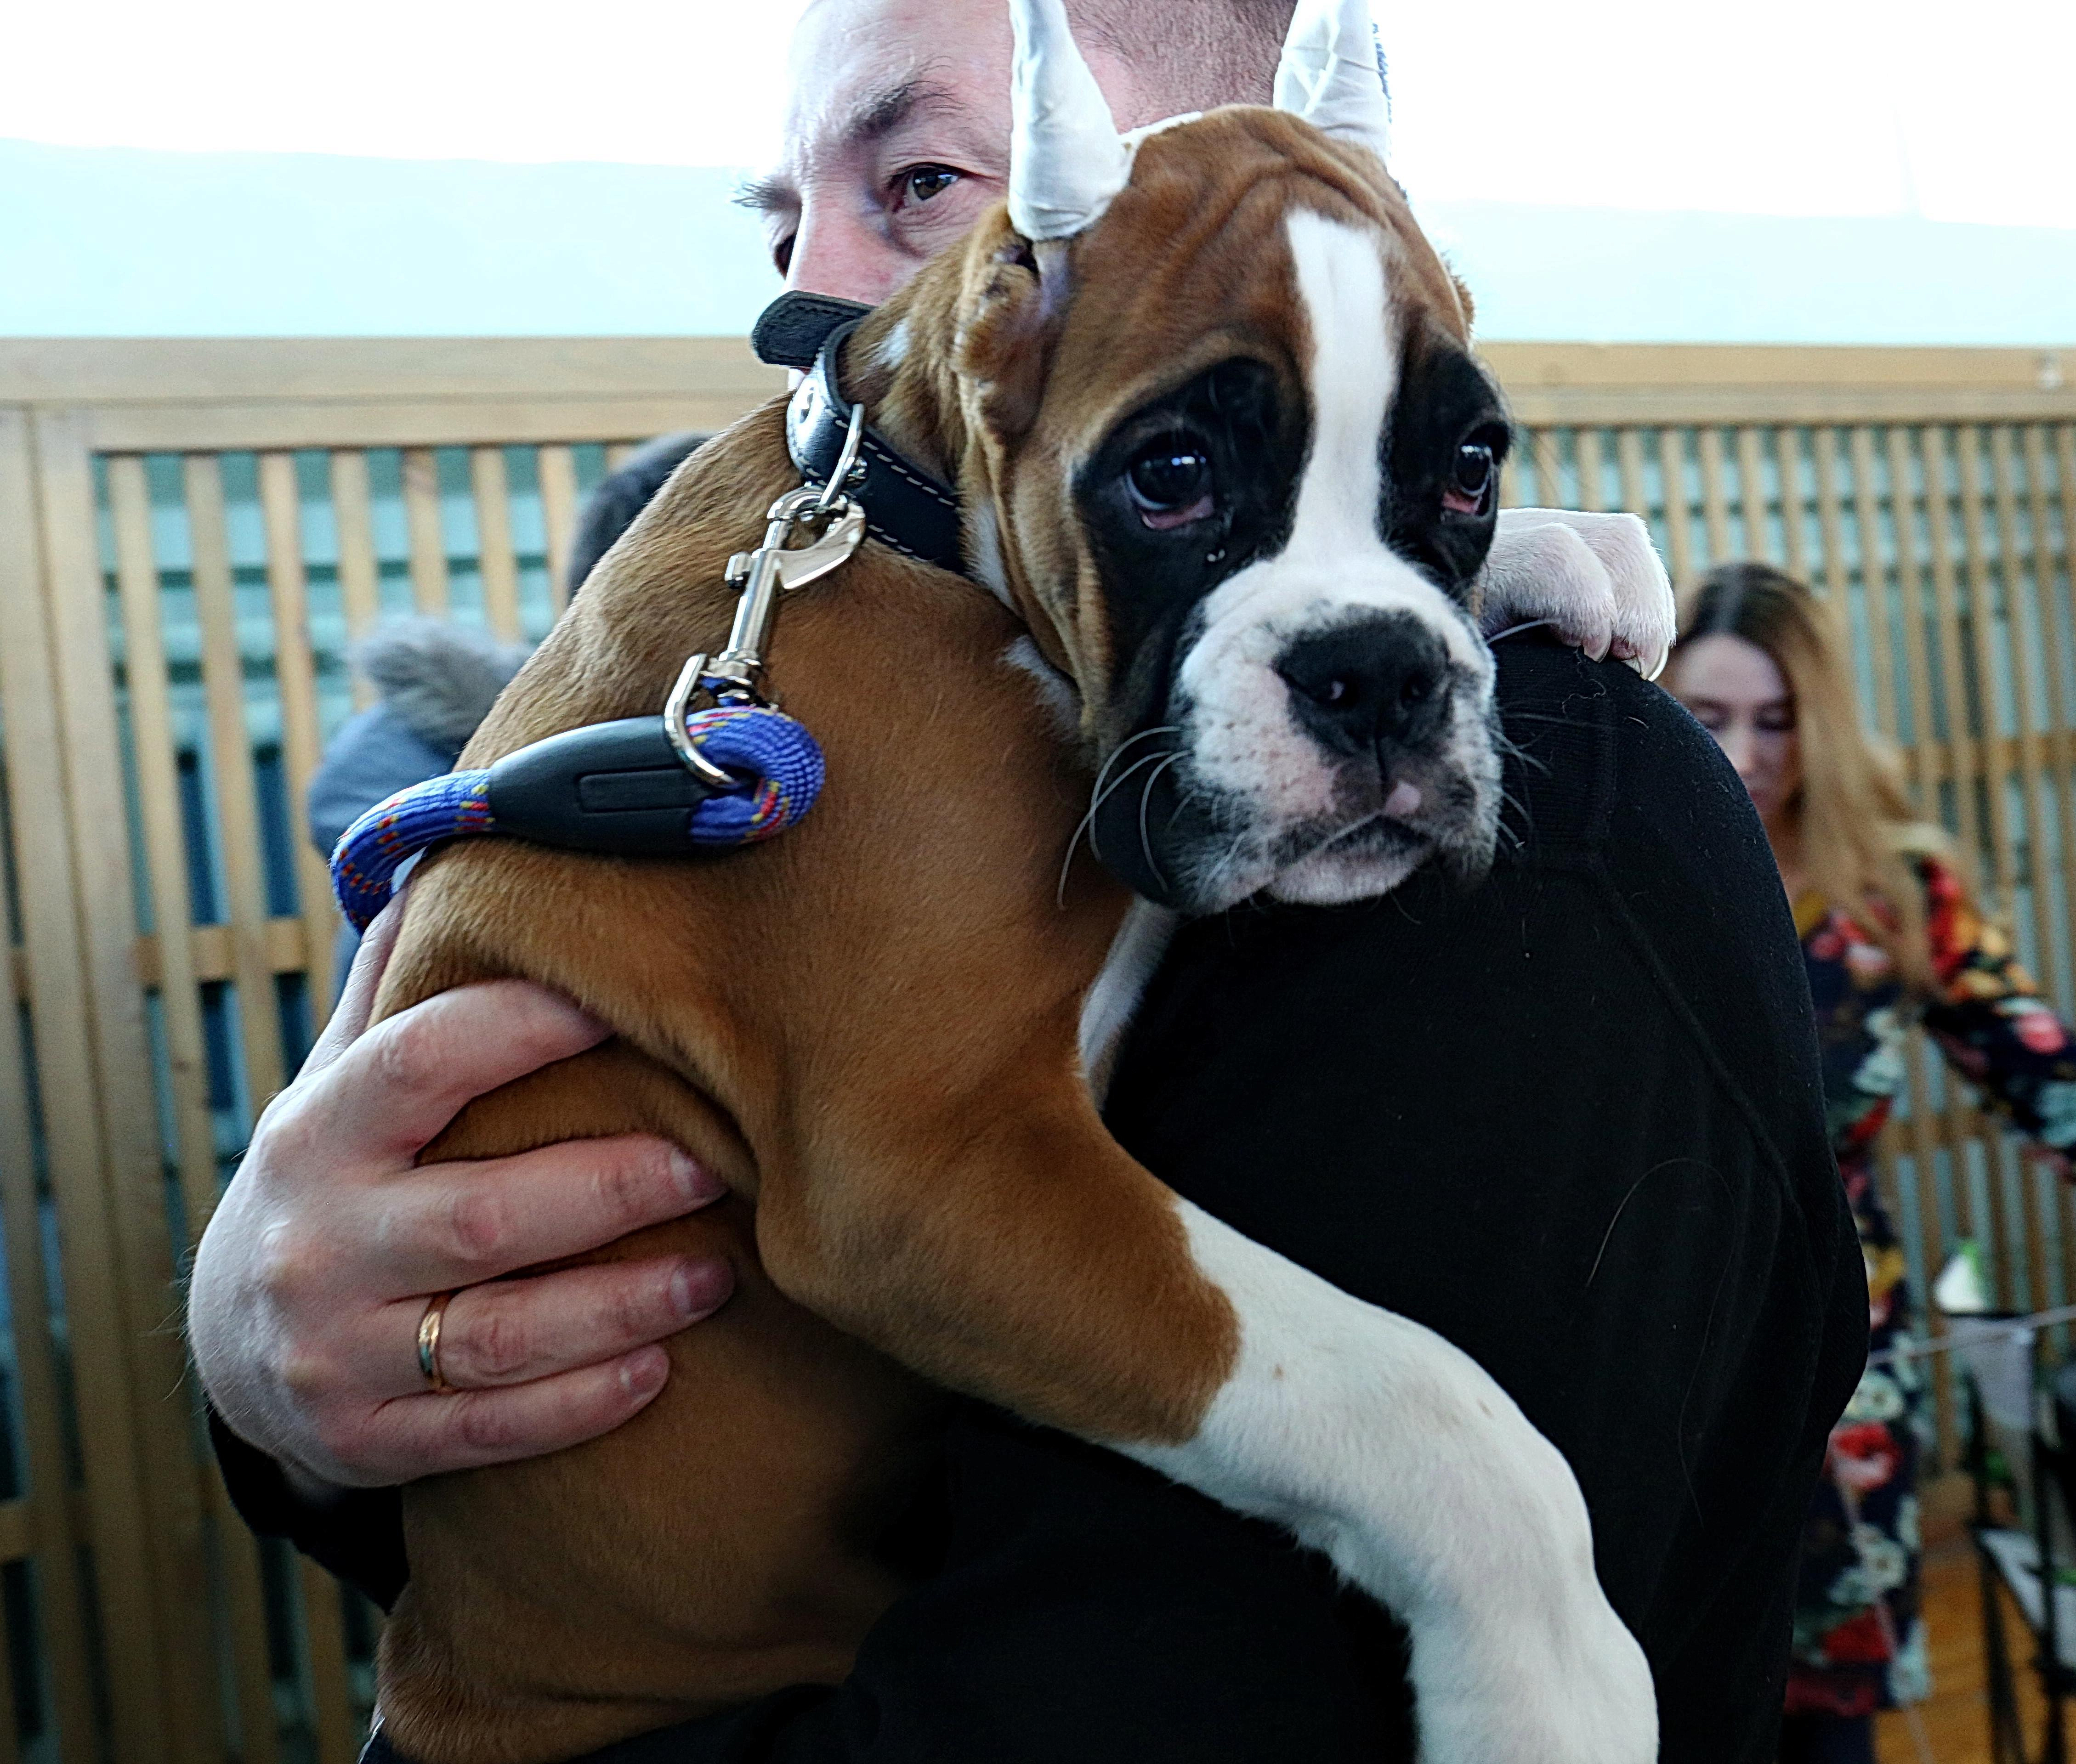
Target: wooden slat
(1874,578)
(1824,445)
(359,576)
(1787,463)
(1628,450)
(40,1522)
(556,470)
(1709,445)
(1955,665)
(268,394)
(2065,1234)
(1546,453)
(442,371)
(165,840)
(1672,464)
(1752,497)
(2065,459)
(213,957)
(1931,1248)
(325,375)
(264,425)
(324,1633)
(301,749)
(295,676)
(419,423)
(2037,1218)
(1981,617)
(1728,406)
(21,1531)
(422,515)
(1928,751)
(493,538)
(2054,639)
(237,796)
(618,453)
(1587,455)
(1976,587)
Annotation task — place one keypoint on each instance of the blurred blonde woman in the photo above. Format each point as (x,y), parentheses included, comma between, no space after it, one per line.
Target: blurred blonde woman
(1889,933)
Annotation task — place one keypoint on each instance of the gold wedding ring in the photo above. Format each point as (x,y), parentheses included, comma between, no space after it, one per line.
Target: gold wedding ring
(429,1342)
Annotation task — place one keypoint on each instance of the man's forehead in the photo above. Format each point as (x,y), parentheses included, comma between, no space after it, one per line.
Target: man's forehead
(860,70)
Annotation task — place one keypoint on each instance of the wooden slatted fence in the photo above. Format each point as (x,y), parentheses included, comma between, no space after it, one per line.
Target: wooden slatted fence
(191,534)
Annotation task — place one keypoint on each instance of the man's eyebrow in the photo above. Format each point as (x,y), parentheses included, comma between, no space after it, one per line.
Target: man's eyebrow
(774,193)
(883,112)
(872,119)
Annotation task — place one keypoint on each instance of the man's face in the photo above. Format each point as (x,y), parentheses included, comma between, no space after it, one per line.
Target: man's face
(897,138)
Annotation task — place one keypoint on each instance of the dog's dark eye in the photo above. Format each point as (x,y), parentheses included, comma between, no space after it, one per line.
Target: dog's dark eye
(1170,484)
(1470,478)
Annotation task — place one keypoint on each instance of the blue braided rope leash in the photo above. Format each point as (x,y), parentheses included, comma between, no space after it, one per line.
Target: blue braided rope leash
(374,848)
(615,787)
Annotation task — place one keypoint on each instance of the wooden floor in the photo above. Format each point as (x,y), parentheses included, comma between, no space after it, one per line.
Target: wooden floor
(1956,1721)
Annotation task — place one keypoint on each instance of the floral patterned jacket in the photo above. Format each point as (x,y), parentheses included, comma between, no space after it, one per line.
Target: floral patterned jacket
(1858,1644)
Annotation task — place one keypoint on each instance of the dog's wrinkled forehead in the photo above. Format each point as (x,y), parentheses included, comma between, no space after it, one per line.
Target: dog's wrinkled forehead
(1299,366)
(1175,312)
(1240,474)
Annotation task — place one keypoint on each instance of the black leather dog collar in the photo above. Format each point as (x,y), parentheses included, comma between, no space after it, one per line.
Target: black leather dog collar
(791,331)
(905,506)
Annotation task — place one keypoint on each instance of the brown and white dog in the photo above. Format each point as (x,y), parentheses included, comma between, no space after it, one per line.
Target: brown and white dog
(1225,457)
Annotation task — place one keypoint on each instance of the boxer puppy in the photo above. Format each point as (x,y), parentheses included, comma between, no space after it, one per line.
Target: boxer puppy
(1229,469)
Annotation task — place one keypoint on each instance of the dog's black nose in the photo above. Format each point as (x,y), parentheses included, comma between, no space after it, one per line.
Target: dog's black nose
(1383,677)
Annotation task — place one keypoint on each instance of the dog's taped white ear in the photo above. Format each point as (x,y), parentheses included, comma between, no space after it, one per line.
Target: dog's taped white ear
(1329,73)
(1066,164)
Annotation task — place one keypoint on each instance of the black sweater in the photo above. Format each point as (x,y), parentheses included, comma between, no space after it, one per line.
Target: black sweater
(1570,1119)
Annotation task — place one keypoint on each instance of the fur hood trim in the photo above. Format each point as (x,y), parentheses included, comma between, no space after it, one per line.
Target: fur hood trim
(440,679)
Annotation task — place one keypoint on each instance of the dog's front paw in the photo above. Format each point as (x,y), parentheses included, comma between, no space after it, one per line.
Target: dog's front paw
(1594,579)
(1514,1698)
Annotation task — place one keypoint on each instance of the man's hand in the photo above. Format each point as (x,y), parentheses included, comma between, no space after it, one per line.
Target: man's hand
(1594,579)
(312,1279)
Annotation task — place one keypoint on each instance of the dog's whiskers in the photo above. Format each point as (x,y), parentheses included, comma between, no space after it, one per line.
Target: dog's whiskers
(1515,630)
(1099,794)
(1145,807)
(1512,749)
(1337,835)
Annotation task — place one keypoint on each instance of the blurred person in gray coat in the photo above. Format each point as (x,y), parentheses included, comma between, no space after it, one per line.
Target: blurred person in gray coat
(436,681)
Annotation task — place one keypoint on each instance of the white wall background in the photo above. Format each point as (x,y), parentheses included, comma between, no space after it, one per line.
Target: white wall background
(1632,121)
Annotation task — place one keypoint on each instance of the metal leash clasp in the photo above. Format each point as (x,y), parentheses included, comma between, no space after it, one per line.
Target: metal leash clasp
(735,676)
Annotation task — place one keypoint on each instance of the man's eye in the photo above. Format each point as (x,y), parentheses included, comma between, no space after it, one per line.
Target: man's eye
(1170,484)
(924,183)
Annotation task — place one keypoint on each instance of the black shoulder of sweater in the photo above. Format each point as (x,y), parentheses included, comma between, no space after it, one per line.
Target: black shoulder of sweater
(1568,1116)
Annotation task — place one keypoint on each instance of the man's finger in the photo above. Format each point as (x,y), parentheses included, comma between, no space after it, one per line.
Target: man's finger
(425,1435)
(349,1018)
(394,1088)
(512,1332)
(445,1226)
